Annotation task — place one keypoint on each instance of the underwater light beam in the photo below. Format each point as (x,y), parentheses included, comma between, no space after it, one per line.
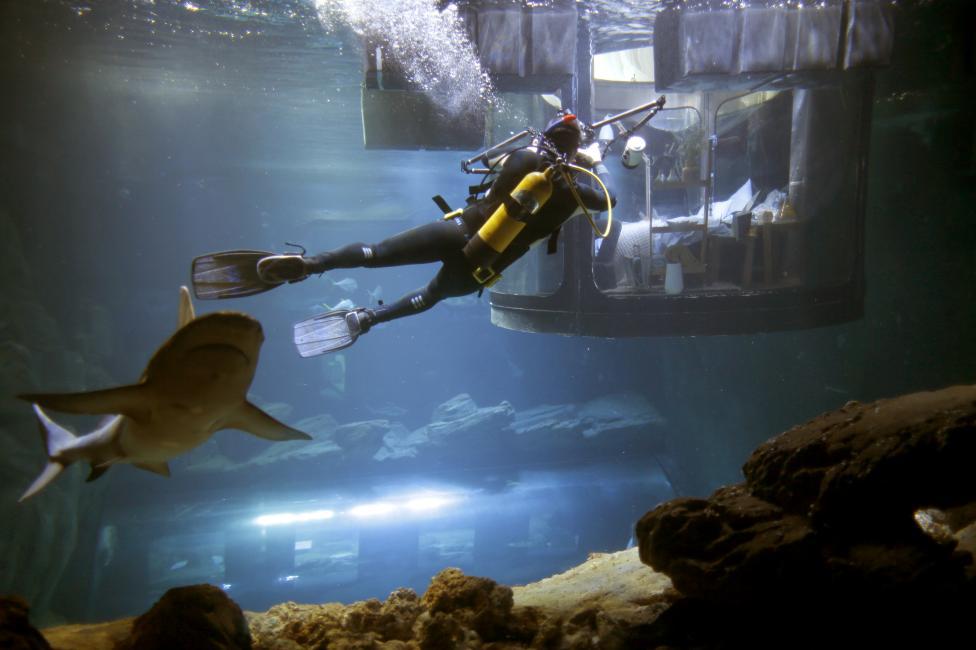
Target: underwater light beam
(377,509)
(283,518)
(428,503)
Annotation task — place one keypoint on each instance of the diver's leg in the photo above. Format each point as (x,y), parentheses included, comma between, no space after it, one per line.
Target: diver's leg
(454,279)
(430,242)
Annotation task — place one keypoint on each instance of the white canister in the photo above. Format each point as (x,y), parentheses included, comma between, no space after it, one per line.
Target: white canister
(633,152)
(674,282)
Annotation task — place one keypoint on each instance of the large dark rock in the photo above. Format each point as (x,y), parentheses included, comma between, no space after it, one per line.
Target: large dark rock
(872,466)
(198,616)
(862,517)
(729,547)
(16,632)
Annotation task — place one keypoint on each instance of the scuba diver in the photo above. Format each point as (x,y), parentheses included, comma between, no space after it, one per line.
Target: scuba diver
(534,193)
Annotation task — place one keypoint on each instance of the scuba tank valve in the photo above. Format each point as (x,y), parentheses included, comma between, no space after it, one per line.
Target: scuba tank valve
(506,223)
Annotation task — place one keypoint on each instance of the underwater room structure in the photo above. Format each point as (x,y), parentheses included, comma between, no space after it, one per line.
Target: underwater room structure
(748,383)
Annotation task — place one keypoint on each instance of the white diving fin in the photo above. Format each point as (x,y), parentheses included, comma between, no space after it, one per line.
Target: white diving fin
(329,332)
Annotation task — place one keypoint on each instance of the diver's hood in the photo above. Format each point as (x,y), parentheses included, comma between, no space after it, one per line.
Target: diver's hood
(564,121)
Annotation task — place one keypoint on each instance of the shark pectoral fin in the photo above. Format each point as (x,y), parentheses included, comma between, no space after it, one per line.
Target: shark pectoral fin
(97,471)
(253,420)
(161,468)
(50,473)
(126,400)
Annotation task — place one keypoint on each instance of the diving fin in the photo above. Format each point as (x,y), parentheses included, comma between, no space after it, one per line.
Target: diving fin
(229,274)
(331,331)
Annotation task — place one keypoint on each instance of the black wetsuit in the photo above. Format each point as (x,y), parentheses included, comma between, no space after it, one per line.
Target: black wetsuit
(444,240)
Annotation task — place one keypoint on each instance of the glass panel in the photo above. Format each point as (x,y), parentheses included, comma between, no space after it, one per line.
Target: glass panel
(785,190)
(535,273)
(447,547)
(326,556)
(823,185)
(179,560)
(632,66)
(515,111)
(663,180)
(751,176)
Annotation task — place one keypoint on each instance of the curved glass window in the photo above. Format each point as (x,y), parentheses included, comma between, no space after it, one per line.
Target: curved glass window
(660,199)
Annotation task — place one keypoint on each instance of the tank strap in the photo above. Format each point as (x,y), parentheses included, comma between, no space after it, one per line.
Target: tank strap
(553,241)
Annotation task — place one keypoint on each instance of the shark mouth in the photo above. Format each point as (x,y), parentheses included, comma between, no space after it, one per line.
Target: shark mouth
(221,347)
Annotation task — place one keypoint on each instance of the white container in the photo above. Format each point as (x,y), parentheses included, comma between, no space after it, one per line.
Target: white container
(674,282)
(633,152)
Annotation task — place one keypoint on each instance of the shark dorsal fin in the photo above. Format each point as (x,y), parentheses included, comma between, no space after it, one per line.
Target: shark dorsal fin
(186,313)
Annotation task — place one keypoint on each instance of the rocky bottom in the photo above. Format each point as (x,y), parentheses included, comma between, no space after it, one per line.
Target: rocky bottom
(603,603)
(856,529)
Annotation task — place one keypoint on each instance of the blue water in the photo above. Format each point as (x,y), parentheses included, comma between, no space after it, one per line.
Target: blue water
(137,134)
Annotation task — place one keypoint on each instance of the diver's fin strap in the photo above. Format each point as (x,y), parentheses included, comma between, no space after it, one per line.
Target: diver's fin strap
(441,203)
(552,243)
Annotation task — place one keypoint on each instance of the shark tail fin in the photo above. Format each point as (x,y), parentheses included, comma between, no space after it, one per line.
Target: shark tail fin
(55,438)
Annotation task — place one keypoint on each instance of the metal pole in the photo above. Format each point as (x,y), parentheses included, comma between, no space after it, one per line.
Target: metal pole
(658,103)
(487,151)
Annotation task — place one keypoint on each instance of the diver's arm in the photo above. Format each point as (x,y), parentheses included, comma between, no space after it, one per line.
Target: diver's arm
(591,192)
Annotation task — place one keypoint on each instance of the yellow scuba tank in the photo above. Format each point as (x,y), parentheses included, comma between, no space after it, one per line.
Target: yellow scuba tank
(506,223)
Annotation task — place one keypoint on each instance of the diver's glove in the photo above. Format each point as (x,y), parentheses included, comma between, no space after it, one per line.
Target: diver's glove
(590,156)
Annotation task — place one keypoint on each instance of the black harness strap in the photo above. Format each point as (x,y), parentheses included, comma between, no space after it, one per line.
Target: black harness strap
(478,189)
(442,204)
(553,240)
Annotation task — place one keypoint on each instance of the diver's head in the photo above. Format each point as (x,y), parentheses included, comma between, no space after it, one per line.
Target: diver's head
(564,132)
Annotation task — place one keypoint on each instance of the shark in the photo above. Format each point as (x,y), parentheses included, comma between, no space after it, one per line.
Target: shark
(194,385)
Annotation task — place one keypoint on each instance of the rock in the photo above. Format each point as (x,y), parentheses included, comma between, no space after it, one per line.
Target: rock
(729,547)
(400,443)
(391,620)
(544,418)
(318,426)
(16,632)
(460,417)
(617,412)
(457,424)
(361,439)
(289,625)
(547,425)
(609,603)
(860,519)
(198,616)
(456,408)
(278,410)
(615,583)
(871,466)
(478,603)
(99,636)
